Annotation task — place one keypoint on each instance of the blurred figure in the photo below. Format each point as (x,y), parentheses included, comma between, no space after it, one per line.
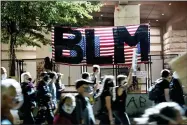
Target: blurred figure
(11,99)
(65,112)
(84,111)
(176,91)
(95,75)
(60,87)
(107,95)
(86,75)
(52,88)
(44,100)
(48,64)
(26,77)
(3,73)
(160,91)
(26,111)
(95,78)
(166,113)
(42,74)
(119,105)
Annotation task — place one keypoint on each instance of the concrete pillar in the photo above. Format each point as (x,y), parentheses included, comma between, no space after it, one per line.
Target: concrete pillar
(175,38)
(127,15)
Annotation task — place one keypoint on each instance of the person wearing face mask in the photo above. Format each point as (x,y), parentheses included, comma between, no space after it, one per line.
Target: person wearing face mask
(86,76)
(26,111)
(12,99)
(44,100)
(84,111)
(119,104)
(3,73)
(65,112)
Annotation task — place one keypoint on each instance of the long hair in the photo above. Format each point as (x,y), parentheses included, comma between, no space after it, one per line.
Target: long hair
(108,81)
(96,67)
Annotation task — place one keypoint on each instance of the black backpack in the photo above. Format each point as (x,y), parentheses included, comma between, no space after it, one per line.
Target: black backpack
(154,91)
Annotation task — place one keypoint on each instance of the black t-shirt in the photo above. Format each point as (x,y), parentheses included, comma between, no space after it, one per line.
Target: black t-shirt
(120,102)
(163,84)
(103,102)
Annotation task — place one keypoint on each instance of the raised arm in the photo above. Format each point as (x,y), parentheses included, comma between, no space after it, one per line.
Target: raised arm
(129,79)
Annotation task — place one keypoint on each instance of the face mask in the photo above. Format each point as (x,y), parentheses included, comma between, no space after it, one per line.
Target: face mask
(88,89)
(68,109)
(4,76)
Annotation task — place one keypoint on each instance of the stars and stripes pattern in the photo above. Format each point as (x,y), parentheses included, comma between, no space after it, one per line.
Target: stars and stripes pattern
(104,43)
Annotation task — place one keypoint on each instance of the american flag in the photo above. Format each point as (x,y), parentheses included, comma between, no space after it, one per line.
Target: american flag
(104,43)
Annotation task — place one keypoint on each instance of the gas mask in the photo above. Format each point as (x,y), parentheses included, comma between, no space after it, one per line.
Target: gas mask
(68,109)
(4,76)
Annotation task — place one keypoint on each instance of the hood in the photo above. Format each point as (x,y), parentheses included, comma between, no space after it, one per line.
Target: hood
(23,75)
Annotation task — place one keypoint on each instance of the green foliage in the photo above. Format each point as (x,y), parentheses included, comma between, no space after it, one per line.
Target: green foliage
(34,19)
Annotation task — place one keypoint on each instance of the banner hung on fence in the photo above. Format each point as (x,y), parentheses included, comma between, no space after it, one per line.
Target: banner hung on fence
(102,45)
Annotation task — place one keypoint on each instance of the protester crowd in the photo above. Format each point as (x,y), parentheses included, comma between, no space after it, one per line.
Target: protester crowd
(98,98)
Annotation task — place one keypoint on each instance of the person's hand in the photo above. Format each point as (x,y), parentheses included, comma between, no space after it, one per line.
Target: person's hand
(112,122)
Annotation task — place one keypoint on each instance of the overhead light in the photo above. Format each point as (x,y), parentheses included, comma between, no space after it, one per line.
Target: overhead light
(157,20)
(162,14)
(170,4)
(101,14)
(139,4)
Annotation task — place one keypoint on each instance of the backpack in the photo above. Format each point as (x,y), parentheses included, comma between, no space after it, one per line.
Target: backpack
(154,91)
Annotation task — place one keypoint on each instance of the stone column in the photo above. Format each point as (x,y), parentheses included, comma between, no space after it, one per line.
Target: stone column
(127,15)
(175,39)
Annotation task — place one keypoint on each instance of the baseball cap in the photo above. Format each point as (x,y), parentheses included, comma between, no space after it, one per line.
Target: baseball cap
(81,82)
